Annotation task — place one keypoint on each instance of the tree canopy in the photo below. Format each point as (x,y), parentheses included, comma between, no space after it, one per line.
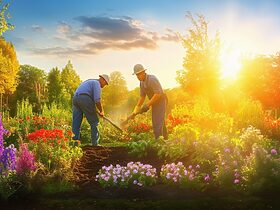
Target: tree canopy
(201,63)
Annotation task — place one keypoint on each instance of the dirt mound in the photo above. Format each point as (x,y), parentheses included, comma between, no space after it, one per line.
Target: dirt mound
(96,157)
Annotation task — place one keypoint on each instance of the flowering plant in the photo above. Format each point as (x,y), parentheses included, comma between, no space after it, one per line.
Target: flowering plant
(25,161)
(139,128)
(7,155)
(133,174)
(179,174)
(54,149)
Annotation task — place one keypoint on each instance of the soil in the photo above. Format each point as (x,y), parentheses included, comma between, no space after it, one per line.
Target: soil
(96,157)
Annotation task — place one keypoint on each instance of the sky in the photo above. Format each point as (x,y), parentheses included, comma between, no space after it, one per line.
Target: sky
(102,36)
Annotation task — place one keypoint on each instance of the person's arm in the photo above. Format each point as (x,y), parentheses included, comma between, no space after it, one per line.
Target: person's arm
(154,99)
(139,104)
(100,108)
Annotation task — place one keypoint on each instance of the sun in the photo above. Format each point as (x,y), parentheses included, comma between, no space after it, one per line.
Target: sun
(230,61)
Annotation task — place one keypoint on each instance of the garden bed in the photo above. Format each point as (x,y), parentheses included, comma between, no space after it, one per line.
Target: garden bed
(96,157)
(90,195)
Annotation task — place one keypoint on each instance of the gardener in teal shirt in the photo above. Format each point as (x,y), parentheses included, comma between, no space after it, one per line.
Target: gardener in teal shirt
(86,98)
(150,86)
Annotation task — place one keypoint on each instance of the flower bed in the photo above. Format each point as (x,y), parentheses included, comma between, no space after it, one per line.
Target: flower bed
(124,176)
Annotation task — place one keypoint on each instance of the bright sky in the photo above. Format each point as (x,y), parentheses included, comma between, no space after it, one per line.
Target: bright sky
(101,36)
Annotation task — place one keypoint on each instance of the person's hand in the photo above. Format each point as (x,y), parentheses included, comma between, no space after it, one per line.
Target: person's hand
(136,110)
(145,108)
(101,114)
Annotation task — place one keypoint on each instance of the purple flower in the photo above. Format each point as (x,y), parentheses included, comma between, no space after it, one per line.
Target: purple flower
(274,152)
(8,154)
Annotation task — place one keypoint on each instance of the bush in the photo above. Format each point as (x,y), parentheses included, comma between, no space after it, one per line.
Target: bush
(249,113)
(262,171)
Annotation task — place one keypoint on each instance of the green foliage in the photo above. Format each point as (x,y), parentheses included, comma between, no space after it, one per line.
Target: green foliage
(259,78)
(31,86)
(55,86)
(249,113)
(56,111)
(180,142)
(251,136)
(70,80)
(55,151)
(24,109)
(109,134)
(113,100)
(261,172)
(227,173)
(144,148)
(201,63)
(8,185)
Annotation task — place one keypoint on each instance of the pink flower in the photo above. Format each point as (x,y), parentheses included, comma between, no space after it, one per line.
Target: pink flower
(207,178)
(236,181)
(227,150)
(274,152)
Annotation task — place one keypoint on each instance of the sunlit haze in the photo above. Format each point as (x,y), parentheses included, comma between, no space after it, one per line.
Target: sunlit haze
(105,36)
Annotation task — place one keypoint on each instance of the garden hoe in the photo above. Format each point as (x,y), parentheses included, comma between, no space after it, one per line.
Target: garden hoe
(113,124)
(130,117)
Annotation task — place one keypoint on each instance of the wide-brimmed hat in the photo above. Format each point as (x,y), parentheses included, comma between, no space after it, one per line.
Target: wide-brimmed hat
(105,77)
(138,68)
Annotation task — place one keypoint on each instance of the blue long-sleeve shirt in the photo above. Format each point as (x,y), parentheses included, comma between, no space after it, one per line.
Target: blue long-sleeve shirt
(90,87)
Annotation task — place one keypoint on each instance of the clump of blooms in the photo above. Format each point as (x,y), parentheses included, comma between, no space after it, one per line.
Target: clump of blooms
(26,160)
(53,137)
(139,128)
(8,154)
(133,174)
(178,173)
(274,152)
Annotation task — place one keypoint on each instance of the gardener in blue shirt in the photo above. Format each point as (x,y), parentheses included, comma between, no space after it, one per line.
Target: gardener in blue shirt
(85,101)
(150,86)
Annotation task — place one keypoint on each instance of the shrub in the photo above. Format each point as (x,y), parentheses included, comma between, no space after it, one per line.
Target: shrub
(249,113)
(262,171)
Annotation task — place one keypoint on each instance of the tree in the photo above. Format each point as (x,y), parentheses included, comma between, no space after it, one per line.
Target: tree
(115,93)
(9,67)
(201,74)
(54,86)
(31,86)
(70,80)
(4,25)
(260,79)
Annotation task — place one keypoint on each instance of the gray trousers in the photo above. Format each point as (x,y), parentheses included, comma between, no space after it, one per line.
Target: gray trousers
(158,118)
